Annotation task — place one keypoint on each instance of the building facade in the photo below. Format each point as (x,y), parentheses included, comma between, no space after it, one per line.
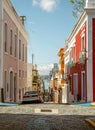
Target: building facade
(61,88)
(80,57)
(13,54)
(54,83)
(29,77)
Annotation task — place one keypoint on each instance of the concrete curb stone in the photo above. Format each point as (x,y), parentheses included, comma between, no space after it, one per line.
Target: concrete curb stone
(91,121)
(93,104)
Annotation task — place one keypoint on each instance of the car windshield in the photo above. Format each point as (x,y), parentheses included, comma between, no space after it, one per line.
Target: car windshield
(31,92)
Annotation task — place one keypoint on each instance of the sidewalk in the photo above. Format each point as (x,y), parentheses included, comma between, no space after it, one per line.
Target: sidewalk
(8,104)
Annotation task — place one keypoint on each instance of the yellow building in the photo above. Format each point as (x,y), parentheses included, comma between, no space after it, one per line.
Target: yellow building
(61,74)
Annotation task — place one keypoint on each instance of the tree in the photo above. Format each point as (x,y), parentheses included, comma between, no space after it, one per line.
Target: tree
(35,79)
(78,6)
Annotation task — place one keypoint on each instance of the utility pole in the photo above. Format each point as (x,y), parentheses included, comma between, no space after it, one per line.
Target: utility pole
(32,59)
(43,90)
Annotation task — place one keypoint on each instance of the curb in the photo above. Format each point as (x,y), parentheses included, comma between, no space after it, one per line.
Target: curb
(91,122)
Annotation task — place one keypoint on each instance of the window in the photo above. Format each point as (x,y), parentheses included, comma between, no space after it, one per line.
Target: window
(19,73)
(19,94)
(5,37)
(22,73)
(11,40)
(19,49)
(82,43)
(74,53)
(23,52)
(15,53)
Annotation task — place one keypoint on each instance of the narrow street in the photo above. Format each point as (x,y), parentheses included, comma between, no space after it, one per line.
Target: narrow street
(45,117)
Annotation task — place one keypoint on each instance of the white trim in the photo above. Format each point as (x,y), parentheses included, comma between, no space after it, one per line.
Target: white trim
(89,61)
(90,3)
(71,42)
(76,29)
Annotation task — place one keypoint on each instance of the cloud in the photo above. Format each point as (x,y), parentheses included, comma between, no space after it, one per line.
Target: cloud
(44,69)
(35,2)
(47,5)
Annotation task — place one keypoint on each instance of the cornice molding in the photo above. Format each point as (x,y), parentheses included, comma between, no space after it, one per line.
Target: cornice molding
(14,16)
(77,25)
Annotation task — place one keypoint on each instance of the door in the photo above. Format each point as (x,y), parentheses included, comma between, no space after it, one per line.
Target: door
(75,81)
(15,86)
(83,86)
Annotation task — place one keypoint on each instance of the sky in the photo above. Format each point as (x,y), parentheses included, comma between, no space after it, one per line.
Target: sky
(49,23)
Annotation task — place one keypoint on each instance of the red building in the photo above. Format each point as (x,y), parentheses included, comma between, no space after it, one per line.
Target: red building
(80,57)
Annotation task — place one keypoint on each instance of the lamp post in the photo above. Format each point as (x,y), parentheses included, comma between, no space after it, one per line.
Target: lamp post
(43,90)
(82,56)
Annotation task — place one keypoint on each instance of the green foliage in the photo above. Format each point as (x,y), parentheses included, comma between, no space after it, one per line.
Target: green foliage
(78,6)
(35,79)
(72,1)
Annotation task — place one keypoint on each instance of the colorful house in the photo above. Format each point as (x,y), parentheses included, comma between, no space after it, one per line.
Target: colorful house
(13,54)
(80,57)
(54,83)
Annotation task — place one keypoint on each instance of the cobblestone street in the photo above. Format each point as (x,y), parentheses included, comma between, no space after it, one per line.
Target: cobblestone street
(23,117)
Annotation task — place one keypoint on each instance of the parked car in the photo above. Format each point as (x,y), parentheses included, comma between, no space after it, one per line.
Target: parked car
(32,96)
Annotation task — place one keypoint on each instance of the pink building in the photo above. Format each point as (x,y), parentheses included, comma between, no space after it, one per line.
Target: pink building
(13,54)
(80,58)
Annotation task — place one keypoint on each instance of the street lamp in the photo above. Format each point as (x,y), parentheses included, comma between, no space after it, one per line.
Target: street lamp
(72,62)
(82,56)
